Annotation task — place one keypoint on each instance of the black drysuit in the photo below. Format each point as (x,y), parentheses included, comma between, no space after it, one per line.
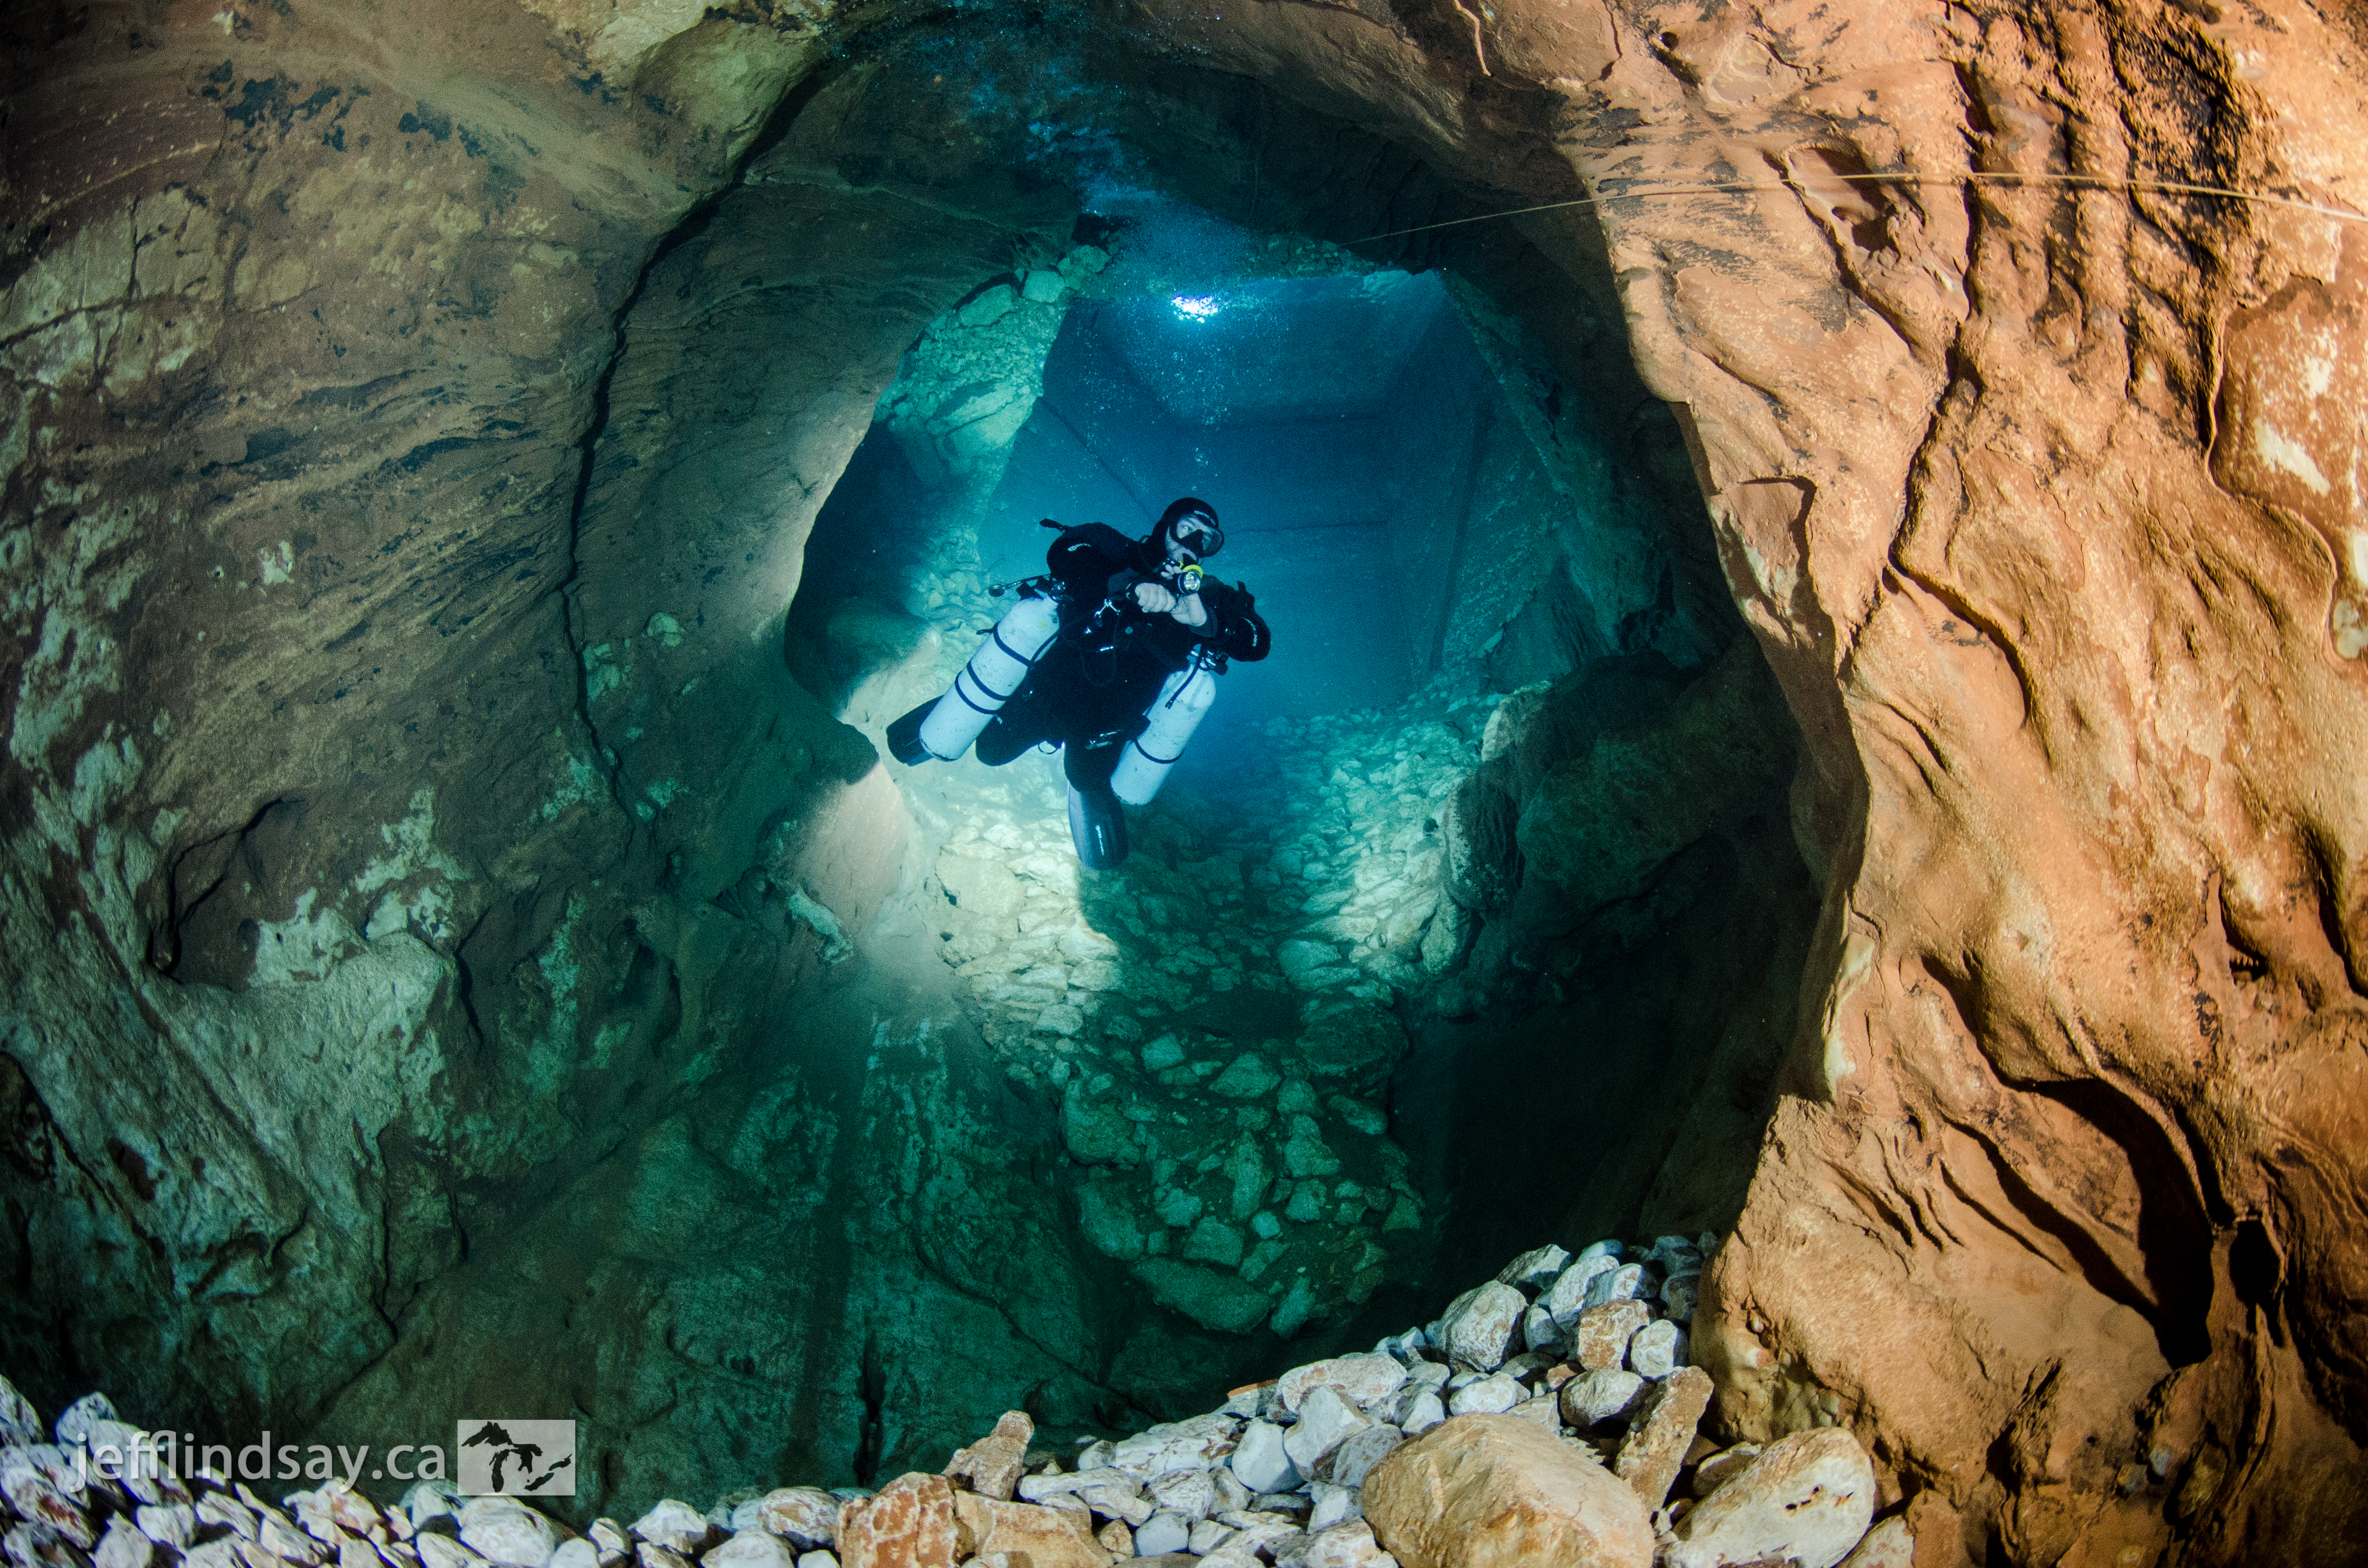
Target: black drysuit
(1091,688)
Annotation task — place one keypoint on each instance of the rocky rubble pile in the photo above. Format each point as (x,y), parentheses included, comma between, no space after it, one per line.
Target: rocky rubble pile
(1546,1415)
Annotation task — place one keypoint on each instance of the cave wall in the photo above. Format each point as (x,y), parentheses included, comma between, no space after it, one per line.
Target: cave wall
(2014,485)
(2036,496)
(297,775)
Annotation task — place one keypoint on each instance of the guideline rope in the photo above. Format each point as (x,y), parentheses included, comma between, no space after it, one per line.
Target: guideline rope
(1969,176)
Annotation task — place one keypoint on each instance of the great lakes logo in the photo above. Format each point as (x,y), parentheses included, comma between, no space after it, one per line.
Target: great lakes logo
(523,1458)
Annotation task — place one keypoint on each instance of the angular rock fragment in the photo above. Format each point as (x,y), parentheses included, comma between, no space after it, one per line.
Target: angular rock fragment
(1808,1498)
(993,1465)
(1567,1297)
(1601,1338)
(1715,1472)
(1422,1411)
(1477,1328)
(675,1525)
(500,1529)
(1350,1544)
(213,1508)
(1106,1490)
(123,1546)
(1600,1397)
(1334,1505)
(1625,1283)
(75,1421)
(20,1423)
(1654,1449)
(442,1551)
(1658,1349)
(168,1524)
(805,1517)
(1533,1271)
(1544,1409)
(1191,1494)
(1366,1381)
(1175,1446)
(1325,1421)
(1498,1492)
(991,306)
(908,1524)
(1358,1454)
(1488,1396)
(1044,1538)
(1163,1533)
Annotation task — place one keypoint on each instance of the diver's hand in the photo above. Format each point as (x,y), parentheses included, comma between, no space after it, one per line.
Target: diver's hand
(1156,598)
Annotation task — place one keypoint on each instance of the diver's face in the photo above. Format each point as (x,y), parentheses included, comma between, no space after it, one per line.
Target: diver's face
(1186,540)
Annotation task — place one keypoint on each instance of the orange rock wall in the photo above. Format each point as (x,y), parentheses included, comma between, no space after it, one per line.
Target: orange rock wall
(2041,493)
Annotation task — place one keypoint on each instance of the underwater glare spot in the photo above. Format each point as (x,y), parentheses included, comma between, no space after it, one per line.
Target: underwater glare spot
(1196,309)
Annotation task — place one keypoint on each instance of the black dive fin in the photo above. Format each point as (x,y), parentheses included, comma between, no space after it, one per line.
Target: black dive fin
(904,737)
(1098,828)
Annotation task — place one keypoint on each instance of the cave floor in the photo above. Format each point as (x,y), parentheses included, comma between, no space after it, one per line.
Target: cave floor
(1217,1017)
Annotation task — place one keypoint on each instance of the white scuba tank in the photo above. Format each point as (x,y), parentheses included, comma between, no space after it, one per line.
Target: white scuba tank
(1181,704)
(993,673)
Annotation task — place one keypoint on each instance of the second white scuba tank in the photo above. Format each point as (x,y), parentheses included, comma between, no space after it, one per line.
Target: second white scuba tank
(1183,702)
(993,673)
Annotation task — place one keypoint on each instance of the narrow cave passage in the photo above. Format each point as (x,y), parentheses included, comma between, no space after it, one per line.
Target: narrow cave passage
(808,1112)
(1494,840)
(1277,1044)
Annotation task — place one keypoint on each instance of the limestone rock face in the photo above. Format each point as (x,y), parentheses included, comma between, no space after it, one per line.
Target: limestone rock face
(1497,1491)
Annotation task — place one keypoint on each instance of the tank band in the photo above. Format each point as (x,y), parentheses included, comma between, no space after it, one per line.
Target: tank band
(974,707)
(1001,697)
(1023,658)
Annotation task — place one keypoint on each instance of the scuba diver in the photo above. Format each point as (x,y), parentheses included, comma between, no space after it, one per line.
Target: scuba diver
(1112,656)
